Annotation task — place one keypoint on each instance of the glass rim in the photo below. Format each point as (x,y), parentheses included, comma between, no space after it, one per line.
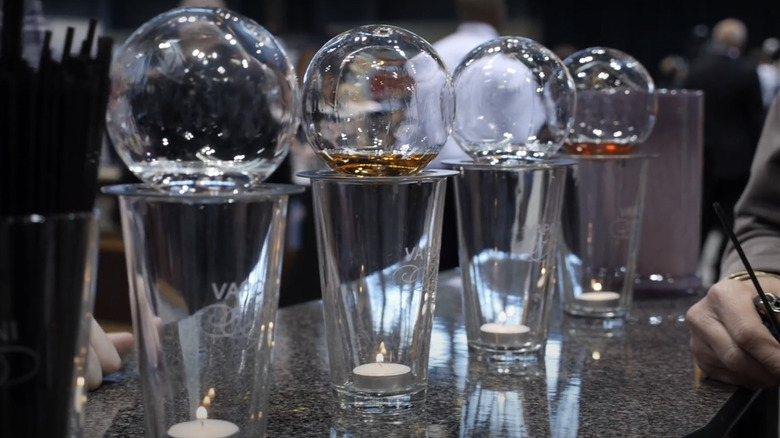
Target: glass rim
(332,175)
(554,162)
(41,218)
(614,157)
(679,91)
(252,193)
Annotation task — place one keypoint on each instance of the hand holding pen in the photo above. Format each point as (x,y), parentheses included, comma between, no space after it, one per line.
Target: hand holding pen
(728,338)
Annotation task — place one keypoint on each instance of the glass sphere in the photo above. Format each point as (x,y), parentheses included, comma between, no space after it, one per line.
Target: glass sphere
(377,101)
(202,99)
(514,102)
(616,102)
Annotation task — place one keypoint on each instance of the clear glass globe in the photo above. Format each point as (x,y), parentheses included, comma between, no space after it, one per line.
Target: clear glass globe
(616,102)
(202,99)
(514,102)
(377,101)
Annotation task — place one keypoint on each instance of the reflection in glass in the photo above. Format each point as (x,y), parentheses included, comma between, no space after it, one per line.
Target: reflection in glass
(505,403)
(589,349)
(202,99)
(377,101)
(378,240)
(616,102)
(507,252)
(351,424)
(601,223)
(514,102)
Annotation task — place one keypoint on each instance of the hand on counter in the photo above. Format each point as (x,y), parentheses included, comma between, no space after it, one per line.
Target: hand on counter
(728,339)
(106,351)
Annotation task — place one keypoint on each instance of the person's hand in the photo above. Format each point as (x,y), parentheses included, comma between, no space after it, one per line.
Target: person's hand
(106,351)
(728,339)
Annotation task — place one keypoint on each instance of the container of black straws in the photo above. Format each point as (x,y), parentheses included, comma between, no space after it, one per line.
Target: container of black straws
(51,127)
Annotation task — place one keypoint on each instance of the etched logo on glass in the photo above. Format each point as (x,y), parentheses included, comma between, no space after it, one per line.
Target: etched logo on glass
(621,227)
(535,241)
(225,318)
(410,272)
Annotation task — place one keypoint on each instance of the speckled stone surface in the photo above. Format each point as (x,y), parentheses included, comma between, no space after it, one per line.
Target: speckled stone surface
(634,379)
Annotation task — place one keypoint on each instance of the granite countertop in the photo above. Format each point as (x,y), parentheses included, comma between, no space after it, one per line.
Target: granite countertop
(598,379)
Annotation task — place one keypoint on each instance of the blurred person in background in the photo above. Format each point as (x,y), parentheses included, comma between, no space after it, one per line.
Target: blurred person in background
(672,71)
(768,69)
(479,21)
(733,117)
(697,42)
(33,30)
(728,340)
(301,274)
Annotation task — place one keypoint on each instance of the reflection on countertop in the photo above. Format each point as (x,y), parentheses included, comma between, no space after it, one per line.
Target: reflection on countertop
(598,378)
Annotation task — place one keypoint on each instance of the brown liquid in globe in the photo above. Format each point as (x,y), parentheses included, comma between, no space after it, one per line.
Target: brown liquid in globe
(377,165)
(598,148)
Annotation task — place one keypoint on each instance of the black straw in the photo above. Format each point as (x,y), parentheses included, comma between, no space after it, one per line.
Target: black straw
(728,228)
(13,14)
(52,119)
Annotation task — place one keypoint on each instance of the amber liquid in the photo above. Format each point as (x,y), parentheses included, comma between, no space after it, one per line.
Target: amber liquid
(377,165)
(598,148)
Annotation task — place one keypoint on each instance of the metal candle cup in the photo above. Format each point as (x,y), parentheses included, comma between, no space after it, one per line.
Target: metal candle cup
(599,299)
(203,427)
(504,335)
(380,377)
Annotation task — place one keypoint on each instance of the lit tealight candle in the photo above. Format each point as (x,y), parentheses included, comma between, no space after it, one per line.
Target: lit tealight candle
(505,335)
(203,427)
(599,299)
(381,376)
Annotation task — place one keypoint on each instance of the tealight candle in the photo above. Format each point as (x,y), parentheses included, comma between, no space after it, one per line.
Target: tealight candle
(504,334)
(381,376)
(599,299)
(203,427)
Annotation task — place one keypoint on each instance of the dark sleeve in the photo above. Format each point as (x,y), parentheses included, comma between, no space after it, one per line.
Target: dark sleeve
(757,223)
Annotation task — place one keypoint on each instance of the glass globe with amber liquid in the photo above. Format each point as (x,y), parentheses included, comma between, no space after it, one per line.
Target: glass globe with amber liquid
(616,102)
(514,102)
(377,101)
(203,100)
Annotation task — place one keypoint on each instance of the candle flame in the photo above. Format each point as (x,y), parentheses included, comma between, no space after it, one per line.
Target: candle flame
(382,349)
(212,393)
(501,316)
(595,285)
(201,414)
(206,401)
(380,358)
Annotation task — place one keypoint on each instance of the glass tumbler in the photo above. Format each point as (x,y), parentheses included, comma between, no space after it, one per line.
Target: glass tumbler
(378,241)
(508,225)
(204,272)
(48,265)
